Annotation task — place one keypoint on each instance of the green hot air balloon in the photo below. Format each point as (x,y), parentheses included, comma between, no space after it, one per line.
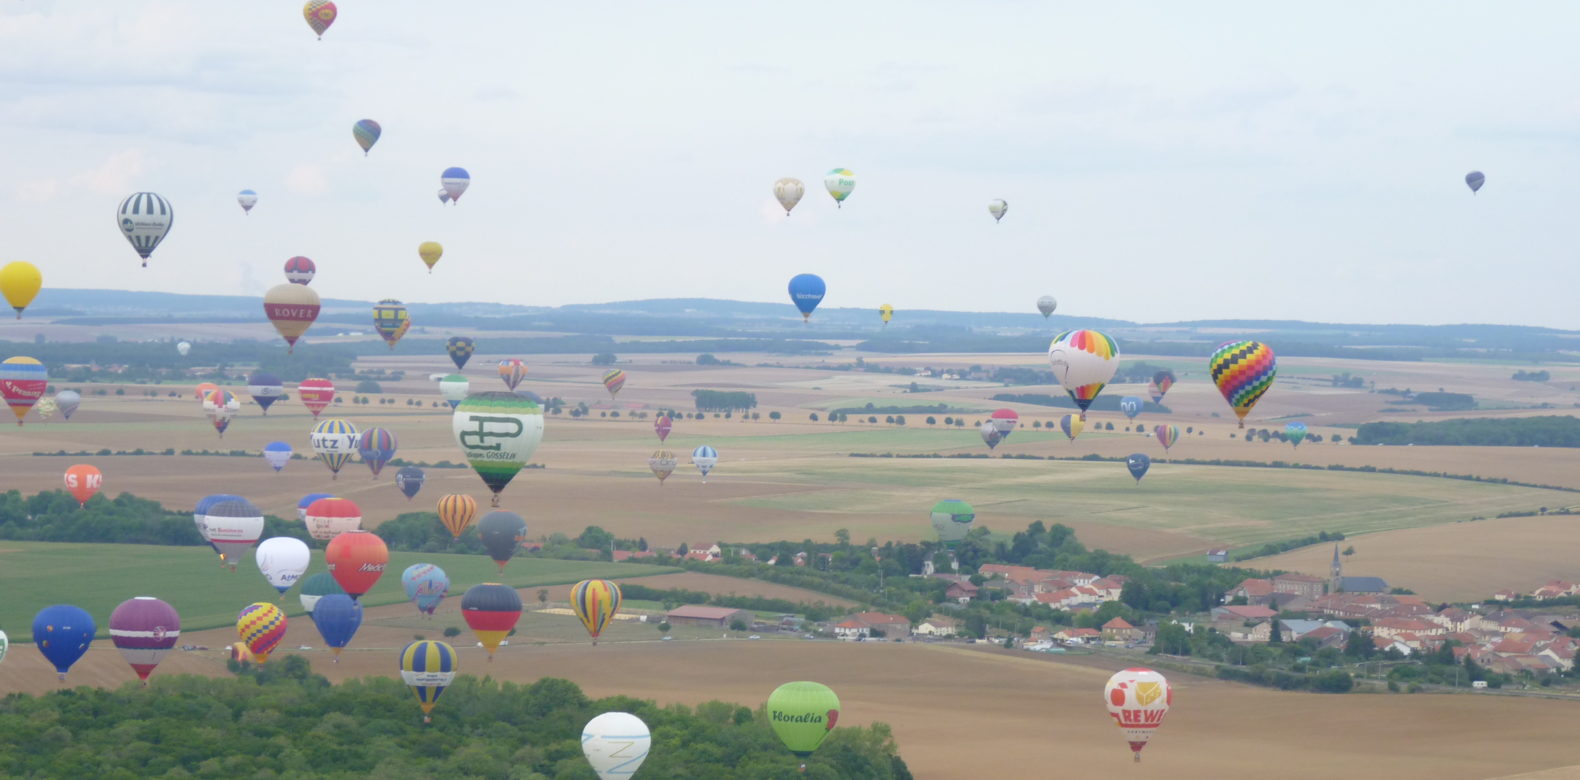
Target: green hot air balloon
(803,714)
(316,587)
(498,432)
(952,519)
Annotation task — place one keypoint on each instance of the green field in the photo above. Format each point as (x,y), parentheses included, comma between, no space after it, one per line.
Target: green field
(97,577)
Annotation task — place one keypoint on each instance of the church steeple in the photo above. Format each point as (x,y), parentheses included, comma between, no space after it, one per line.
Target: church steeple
(1336,574)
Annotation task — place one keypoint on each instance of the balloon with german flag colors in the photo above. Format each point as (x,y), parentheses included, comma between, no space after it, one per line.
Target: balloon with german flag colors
(491,610)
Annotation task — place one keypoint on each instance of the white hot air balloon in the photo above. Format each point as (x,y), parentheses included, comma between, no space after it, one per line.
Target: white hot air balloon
(68,401)
(704,458)
(283,560)
(788,192)
(184,347)
(247,199)
(145,219)
(997,207)
(454,388)
(840,182)
(233,526)
(1138,699)
(444,196)
(1046,304)
(616,744)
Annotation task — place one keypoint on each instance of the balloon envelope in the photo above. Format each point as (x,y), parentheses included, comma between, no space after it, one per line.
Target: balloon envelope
(498,432)
(265,388)
(20,283)
(1474,180)
(1072,425)
(953,519)
(595,603)
(613,380)
(1131,406)
(376,447)
(84,481)
(788,192)
(329,517)
(283,560)
(277,454)
(428,667)
(366,132)
(491,611)
(68,401)
(391,320)
(1046,304)
(1083,361)
(704,458)
(454,388)
(145,220)
(1138,465)
(357,559)
(430,252)
(806,292)
(839,182)
(335,441)
(247,199)
(803,714)
(456,512)
(410,480)
(316,587)
(1166,435)
(1243,372)
(455,181)
(512,371)
(1295,432)
(63,633)
(616,744)
(998,208)
(261,627)
(300,270)
(990,435)
(662,463)
(144,629)
(233,526)
(291,308)
(307,501)
(319,15)
(502,533)
(23,381)
(1004,421)
(426,585)
(1137,700)
(460,349)
(662,426)
(337,617)
(315,394)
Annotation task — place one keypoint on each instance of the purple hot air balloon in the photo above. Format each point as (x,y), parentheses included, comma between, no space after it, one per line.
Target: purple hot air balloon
(144,629)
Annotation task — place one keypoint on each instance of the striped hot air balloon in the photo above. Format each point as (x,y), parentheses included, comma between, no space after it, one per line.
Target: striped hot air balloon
(391,320)
(595,603)
(512,371)
(144,629)
(261,626)
(1072,425)
(1083,361)
(613,380)
(23,381)
(1167,435)
(705,458)
(366,132)
(456,512)
(428,667)
(335,440)
(145,219)
(1243,372)
(376,447)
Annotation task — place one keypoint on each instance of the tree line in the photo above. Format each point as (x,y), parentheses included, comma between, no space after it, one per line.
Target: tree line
(1548,431)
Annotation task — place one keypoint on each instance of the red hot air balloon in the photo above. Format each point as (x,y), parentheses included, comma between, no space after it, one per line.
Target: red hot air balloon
(662,427)
(315,394)
(144,629)
(83,481)
(356,560)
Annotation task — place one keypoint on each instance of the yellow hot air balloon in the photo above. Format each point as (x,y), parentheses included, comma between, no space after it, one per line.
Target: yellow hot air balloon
(456,512)
(20,282)
(886,312)
(292,308)
(595,603)
(430,252)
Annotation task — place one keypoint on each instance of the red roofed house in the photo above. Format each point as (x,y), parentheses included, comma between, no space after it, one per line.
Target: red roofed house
(720,617)
(1120,630)
(961,591)
(1254,591)
(1391,627)
(626,555)
(1011,573)
(1246,612)
(852,629)
(1078,636)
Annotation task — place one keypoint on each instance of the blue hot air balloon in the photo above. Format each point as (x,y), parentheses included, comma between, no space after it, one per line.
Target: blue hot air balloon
(337,617)
(1295,432)
(409,479)
(277,453)
(425,584)
(1474,180)
(307,501)
(455,181)
(1130,405)
(63,633)
(806,292)
(265,388)
(1138,465)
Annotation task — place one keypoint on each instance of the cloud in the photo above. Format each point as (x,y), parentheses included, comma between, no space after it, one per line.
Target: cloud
(306,179)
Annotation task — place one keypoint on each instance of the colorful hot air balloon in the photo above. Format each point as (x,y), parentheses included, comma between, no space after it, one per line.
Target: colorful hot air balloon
(282,560)
(83,481)
(1474,180)
(145,219)
(704,458)
(1138,465)
(885,313)
(1131,406)
(265,388)
(1046,304)
(315,588)
(1072,425)
(613,380)
(366,132)
(376,447)
(461,349)
(1295,432)
(616,744)
(662,463)
(1166,435)
(277,454)
(952,519)
(410,480)
(502,533)
(595,603)
(430,252)
(456,512)
(1138,699)
(202,390)
(455,181)
(233,526)
(427,667)
(839,182)
(990,435)
(261,626)
(998,207)
(426,585)
(788,192)
(144,629)
(315,394)
(68,401)
(46,408)
(23,381)
(391,320)
(246,199)
(319,15)
(1004,421)
(357,559)
(455,388)
(803,714)
(20,283)
(337,617)
(1083,361)
(300,270)
(331,516)
(220,405)
(512,371)
(63,633)
(291,308)
(491,610)
(335,440)
(1160,384)
(806,292)
(498,432)
(1243,372)
(662,426)
(307,501)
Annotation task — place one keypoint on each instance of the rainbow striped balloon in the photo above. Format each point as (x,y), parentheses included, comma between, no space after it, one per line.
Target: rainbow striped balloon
(1243,372)
(1083,361)
(1167,435)
(595,603)
(261,627)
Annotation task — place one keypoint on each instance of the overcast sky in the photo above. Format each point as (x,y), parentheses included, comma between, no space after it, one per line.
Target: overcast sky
(1162,160)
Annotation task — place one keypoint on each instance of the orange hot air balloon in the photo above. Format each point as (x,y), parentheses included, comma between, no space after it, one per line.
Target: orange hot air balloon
(83,481)
(204,389)
(356,560)
(456,512)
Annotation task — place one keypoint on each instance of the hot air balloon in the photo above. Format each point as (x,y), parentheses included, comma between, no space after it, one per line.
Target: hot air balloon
(444,197)
(1138,699)
(83,481)
(1295,432)
(491,610)
(803,714)
(246,199)
(390,319)
(455,181)
(233,527)
(315,394)
(200,518)
(20,283)
(68,401)
(952,519)
(704,458)
(46,408)
(595,603)
(456,512)
(366,132)
(23,381)
(320,14)
(1474,180)
(183,348)
(337,617)
(307,501)
(461,349)
(1004,421)
(428,667)
(1046,304)
(512,371)
(788,192)
(357,559)
(409,480)
(1138,465)
(329,517)
(261,626)
(282,560)
(1083,361)
(997,207)
(502,533)
(885,313)
(430,252)
(616,744)
(806,292)
(990,435)
(144,629)
(613,380)
(300,270)
(145,220)
(376,447)
(316,587)
(277,454)
(1072,425)
(662,426)
(1243,372)
(839,182)
(1160,384)
(498,432)
(426,585)
(202,390)
(1131,406)
(662,463)
(265,388)
(291,308)
(5,644)
(335,440)
(454,388)
(63,633)
(1166,435)
(220,405)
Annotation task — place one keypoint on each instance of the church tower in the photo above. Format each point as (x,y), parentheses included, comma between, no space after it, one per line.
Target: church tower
(1336,574)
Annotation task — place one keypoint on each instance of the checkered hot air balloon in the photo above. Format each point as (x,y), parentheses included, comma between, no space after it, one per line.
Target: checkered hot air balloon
(261,627)
(391,320)
(1243,372)
(460,349)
